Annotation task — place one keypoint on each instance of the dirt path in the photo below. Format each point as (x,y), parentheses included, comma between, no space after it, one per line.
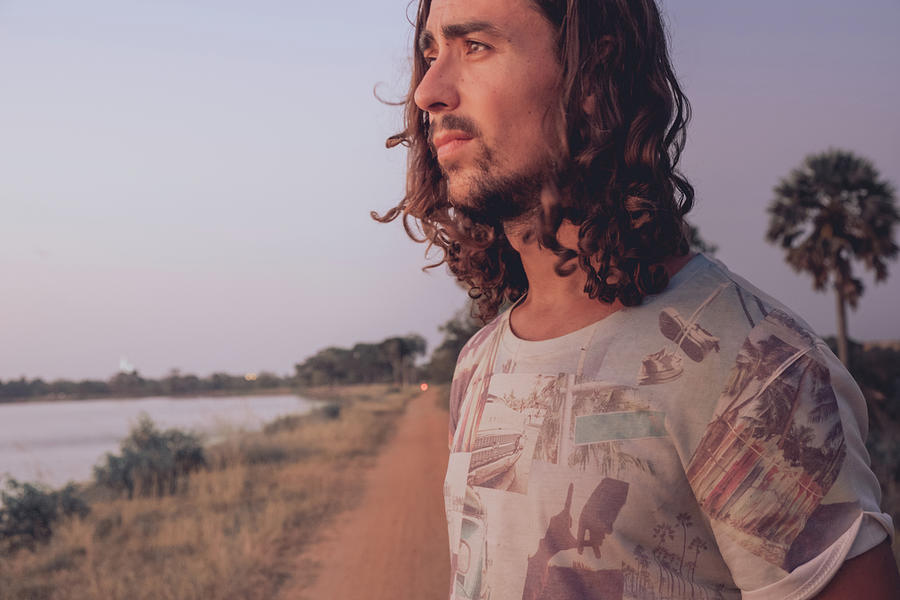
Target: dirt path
(393,546)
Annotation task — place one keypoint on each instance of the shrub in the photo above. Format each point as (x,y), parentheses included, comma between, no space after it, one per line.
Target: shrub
(261,453)
(329,411)
(325,412)
(105,526)
(284,423)
(151,462)
(30,511)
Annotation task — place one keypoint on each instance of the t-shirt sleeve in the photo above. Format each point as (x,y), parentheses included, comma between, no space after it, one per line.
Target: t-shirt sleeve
(457,392)
(781,470)
(462,377)
(466,364)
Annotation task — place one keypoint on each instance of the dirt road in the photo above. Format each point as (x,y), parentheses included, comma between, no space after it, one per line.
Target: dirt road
(393,546)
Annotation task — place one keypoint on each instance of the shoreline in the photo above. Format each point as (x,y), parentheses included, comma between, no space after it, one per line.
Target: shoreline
(52,398)
(234,528)
(42,443)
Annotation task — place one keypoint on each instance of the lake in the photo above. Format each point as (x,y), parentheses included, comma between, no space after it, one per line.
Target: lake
(55,442)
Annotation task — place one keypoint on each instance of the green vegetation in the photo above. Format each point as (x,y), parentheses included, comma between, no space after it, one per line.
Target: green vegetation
(391,360)
(151,462)
(697,243)
(28,513)
(232,527)
(875,369)
(874,366)
(833,210)
(457,332)
(132,385)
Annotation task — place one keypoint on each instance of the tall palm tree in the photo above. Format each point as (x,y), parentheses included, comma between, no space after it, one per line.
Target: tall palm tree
(830,211)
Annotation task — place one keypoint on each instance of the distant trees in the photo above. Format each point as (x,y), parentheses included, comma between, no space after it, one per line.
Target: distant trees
(330,366)
(697,243)
(401,353)
(457,332)
(127,384)
(830,211)
(391,360)
(133,385)
(874,367)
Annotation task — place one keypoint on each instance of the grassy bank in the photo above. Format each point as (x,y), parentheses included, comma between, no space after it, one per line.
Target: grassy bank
(236,528)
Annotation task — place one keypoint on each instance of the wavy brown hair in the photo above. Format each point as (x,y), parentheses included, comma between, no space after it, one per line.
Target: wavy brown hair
(623,116)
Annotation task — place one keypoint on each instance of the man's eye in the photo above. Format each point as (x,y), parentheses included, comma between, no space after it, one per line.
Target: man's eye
(429,60)
(474,47)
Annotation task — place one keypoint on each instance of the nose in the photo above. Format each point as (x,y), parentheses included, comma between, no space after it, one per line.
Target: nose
(437,92)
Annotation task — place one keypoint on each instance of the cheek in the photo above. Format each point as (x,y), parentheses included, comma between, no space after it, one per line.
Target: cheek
(511,108)
(532,109)
(536,94)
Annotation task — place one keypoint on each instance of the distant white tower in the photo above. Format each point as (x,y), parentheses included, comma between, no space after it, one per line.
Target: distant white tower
(125,366)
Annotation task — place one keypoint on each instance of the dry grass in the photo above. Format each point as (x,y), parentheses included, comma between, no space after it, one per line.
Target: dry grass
(237,529)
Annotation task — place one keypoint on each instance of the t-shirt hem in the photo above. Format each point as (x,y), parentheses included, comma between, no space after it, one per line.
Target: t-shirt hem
(808,579)
(874,529)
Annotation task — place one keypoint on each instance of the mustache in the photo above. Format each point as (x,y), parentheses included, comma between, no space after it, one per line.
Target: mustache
(454,123)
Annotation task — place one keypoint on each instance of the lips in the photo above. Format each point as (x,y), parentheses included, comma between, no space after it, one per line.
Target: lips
(447,143)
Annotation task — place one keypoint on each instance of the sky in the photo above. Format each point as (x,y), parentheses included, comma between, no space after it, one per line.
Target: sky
(188,184)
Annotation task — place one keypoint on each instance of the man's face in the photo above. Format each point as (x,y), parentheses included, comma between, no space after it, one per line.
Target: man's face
(489,93)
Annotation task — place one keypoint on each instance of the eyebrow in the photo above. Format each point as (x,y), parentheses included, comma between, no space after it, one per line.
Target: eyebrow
(458,30)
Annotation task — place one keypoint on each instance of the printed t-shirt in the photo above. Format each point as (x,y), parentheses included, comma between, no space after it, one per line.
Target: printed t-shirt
(704,444)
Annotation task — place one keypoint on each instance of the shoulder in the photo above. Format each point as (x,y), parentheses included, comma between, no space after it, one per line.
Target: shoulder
(479,342)
(730,338)
(779,467)
(719,299)
(472,353)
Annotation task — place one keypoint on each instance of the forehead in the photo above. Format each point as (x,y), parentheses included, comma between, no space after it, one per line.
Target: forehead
(511,17)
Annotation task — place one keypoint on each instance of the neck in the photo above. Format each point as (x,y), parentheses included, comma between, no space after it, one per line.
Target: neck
(557,305)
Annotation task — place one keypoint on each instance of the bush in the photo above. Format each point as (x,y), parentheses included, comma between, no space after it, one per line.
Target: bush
(151,462)
(30,511)
(284,423)
(261,453)
(328,412)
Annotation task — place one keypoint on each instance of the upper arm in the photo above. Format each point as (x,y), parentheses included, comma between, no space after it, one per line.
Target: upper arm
(782,472)
(872,575)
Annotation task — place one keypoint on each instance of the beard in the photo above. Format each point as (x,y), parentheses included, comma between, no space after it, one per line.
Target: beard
(489,197)
(510,200)
(492,199)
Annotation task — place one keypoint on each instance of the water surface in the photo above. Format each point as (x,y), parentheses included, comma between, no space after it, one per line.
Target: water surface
(55,442)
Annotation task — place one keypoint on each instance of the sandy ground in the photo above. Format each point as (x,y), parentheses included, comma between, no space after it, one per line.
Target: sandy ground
(394,544)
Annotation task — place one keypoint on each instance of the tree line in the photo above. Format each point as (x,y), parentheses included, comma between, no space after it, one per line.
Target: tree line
(391,360)
(133,385)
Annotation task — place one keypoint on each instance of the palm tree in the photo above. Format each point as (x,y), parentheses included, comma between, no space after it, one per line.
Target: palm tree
(684,519)
(830,211)
(643,562)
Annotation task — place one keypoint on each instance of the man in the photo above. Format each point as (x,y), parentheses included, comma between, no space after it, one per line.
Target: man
(641,423)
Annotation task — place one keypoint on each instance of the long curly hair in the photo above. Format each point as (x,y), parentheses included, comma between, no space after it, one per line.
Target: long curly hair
(623,117)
